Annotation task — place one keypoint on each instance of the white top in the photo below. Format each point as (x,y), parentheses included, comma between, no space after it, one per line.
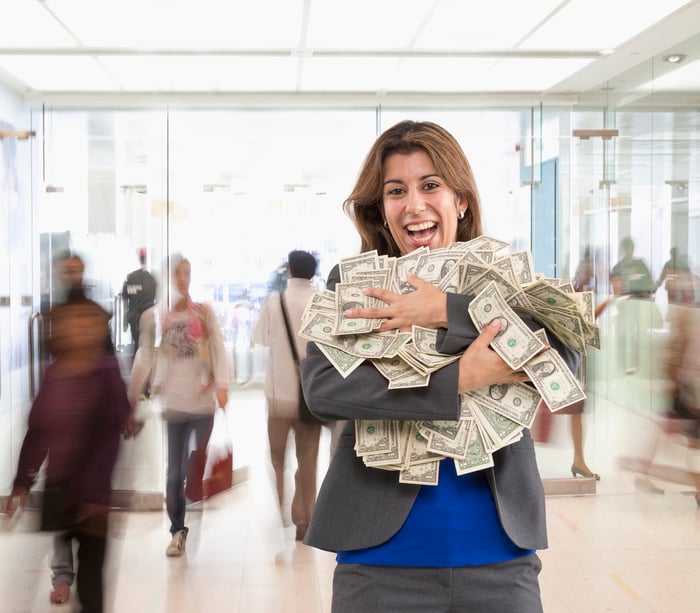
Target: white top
(188,364)
(282,376)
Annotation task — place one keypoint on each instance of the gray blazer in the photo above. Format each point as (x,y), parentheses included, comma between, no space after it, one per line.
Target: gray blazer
(360,507)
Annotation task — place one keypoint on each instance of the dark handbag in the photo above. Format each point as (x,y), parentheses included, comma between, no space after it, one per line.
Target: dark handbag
(59,507)
(305,414)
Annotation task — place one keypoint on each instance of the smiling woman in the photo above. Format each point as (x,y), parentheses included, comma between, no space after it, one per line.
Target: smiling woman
(420,209)
(468,542)
(416,189)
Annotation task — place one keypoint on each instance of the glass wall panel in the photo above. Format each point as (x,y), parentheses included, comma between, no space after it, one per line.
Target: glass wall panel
(15,281)
(634,199)
(236,189)
(102,193)
(245,188)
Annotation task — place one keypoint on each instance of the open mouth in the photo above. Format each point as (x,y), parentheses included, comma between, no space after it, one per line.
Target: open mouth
(422,233)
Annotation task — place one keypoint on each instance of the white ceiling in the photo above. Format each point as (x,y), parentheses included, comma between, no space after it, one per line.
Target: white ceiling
(378,48)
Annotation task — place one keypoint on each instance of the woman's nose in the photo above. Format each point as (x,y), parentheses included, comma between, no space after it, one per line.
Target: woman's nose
(414,203)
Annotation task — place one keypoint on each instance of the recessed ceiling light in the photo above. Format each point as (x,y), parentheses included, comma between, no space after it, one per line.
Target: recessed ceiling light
(674,58)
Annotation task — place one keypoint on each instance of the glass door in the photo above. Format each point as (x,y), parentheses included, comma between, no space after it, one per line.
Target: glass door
(245,188)
(16,144)
(102,195)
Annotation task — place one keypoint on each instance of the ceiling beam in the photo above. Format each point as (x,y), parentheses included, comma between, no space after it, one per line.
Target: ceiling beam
(304,52)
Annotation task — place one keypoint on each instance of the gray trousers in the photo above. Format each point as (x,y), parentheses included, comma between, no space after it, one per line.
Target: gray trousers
(507,587)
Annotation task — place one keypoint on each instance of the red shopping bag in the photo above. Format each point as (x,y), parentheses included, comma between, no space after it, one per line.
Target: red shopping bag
(218,453)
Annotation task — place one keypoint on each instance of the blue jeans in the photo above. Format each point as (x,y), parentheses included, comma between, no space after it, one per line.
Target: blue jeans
(179,434)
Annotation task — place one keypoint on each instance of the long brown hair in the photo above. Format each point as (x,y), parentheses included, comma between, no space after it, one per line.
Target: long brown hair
(365,204)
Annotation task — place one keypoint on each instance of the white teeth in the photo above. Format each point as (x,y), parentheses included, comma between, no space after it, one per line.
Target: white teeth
(417,227)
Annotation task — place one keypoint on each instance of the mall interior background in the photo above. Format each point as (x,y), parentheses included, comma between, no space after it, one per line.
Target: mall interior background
(235,187)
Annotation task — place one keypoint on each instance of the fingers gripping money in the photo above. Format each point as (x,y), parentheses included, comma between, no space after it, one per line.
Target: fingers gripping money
(367,319)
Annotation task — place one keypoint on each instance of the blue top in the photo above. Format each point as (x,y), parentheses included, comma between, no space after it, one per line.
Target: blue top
(453,524)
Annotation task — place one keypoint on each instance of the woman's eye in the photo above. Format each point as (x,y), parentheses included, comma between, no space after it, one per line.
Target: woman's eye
(430,186)
(397,191)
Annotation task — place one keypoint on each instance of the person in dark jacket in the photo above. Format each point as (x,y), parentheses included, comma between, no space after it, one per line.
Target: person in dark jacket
(140,293)
(76,420)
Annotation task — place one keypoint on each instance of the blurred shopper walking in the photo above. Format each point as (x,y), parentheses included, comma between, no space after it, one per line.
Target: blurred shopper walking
(76,420)
(190,372)
(282,388)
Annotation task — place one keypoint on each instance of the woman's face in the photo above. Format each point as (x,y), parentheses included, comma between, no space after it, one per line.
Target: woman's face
(181,276)
(419,208)
(79,327)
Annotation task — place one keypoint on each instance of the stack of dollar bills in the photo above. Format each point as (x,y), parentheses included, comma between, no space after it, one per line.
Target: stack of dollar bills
(504,285)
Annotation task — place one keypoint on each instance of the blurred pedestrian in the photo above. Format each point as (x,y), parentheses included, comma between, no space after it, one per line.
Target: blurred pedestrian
(190,371)
(584,278)
(76,420)
(70,268)
(140,293)
(282,388)
(683,369)
(677,278)
(631,276)
(633,288)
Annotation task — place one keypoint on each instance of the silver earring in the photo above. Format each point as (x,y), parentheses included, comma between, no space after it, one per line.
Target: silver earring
(386,225)
(460,215)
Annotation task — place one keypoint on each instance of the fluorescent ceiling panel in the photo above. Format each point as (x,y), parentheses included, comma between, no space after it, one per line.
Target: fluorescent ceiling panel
(183,24)
(441,75)
(482,26)
(470,75)
(57,73)
(533,74)
(202,73)
(365,24)
(347,74)
(599,24)
(27,23)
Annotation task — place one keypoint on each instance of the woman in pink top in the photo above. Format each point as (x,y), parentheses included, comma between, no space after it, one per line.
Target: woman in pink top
(190,373)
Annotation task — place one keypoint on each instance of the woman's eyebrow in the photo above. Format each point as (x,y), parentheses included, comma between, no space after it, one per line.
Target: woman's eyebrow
(423,178)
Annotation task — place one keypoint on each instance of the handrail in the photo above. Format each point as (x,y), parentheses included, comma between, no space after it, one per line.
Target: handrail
(39,318)
(119,311)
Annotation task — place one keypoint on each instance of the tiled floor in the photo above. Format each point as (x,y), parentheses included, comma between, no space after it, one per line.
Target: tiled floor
(621,550)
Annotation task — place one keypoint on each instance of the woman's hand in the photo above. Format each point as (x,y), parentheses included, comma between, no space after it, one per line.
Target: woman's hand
(222,398)
(481,366)
(426,307)
(16,500)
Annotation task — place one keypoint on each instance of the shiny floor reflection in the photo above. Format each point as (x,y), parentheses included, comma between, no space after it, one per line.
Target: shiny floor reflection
(622,550)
